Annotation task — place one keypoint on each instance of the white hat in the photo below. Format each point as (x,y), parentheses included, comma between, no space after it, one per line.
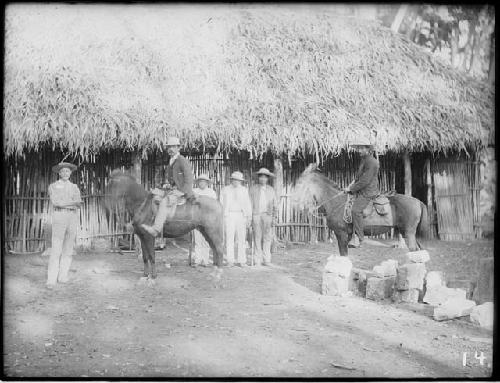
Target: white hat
(265,172)
(204,177)
(173,141)
(237,176)
(62,165)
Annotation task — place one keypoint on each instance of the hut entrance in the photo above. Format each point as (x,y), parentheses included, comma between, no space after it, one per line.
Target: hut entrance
(456,188)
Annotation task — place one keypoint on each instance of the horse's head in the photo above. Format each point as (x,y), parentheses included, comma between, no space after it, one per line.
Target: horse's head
(122,185)
(307,190)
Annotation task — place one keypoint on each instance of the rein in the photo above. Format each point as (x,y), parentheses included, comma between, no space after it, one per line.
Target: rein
(331,199)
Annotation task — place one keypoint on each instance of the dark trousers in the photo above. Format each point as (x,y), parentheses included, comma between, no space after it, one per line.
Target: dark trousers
(357,215)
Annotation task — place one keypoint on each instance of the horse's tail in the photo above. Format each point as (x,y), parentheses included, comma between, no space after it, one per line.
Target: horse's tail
(423,225)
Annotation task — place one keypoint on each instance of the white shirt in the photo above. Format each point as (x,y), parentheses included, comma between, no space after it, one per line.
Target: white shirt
(262,199)
(236,199)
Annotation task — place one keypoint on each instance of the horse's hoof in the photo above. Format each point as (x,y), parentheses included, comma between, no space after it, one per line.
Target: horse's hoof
(151,282)
(143,280)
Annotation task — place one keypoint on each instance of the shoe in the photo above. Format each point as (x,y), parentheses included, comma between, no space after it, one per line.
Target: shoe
(230,264)
(354,245)
(243,265)
(150,230)
(50,286)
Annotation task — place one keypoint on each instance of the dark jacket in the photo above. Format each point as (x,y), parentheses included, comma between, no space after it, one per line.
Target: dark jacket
(366,181)
(271,200)
(180,174)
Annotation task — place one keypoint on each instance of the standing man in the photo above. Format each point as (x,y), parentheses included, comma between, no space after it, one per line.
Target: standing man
(237,217)
(66,200)
(365,187)
(180,179)
(264,209)
(201,246)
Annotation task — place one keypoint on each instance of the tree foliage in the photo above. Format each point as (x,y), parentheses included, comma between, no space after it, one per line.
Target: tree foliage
(462,35)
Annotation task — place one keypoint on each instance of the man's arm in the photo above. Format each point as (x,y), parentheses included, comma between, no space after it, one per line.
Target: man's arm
(366,177)
(57,199)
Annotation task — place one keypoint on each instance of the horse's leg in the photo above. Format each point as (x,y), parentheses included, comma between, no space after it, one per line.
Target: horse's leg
(147,245)
(343,239)
(214,236)
(412,241)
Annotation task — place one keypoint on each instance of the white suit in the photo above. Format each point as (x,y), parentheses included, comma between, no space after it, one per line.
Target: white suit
(237,212)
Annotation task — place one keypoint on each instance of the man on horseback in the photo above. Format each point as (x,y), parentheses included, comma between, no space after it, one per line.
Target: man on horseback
(180,182)
(365,186)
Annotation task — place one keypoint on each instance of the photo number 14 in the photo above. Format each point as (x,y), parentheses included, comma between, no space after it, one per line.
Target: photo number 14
(477,356)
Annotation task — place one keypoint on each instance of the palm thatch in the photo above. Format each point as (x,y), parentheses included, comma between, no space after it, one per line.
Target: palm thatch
(86,78)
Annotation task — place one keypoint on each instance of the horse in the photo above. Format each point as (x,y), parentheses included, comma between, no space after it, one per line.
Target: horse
(409,215)
(205,215)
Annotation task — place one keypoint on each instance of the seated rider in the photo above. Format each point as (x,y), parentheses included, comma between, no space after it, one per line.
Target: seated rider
(180,177)
(365,186)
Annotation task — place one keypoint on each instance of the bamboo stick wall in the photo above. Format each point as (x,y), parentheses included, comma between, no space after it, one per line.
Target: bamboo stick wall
(27,209)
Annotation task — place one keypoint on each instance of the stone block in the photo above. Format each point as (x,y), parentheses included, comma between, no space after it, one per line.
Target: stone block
(410,276)
(465,284)
(379,288)
(434,278)
(420,256)
(387,268)
(453,308)
(333,284)
(340,266)
(484,287)
(438,295)
(482,315)
(406,296)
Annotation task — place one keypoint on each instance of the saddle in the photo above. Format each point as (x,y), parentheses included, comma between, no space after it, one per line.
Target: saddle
(381,205)
(174,198)
(380,202)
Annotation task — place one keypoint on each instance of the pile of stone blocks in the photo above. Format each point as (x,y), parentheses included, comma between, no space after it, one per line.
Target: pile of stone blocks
(336,276)
(411,283)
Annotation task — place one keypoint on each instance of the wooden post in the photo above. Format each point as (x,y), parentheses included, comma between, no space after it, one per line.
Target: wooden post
(428,176)
(137,171)
(407,165)
(137,166)
(278,189)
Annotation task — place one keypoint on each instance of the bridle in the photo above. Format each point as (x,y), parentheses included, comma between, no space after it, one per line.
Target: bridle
(332,198)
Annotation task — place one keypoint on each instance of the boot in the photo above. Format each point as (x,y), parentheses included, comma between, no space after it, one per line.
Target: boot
(355,242)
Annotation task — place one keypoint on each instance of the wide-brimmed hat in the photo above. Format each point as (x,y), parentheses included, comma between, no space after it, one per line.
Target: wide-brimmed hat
(203,177)
(361,141)
(237,176)
(61,165)
(265,172)
(173,141)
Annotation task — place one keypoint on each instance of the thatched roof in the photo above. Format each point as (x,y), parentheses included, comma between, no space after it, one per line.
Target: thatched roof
(90,77)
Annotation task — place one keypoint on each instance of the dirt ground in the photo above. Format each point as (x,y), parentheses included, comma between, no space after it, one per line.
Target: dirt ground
(267,321)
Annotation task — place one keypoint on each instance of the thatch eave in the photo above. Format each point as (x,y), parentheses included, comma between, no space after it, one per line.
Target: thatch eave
(249,79)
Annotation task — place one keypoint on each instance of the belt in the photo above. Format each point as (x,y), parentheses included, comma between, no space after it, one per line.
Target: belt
(63,209)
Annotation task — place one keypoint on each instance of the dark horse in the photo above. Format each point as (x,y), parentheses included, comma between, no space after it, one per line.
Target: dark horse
(205,215)
(408,214)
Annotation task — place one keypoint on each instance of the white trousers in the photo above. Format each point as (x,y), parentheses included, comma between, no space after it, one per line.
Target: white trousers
(64,226)
(235,229)
(201,248)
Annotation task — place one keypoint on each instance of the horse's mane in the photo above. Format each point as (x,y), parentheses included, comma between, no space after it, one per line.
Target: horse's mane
(324,182)
(312,184)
